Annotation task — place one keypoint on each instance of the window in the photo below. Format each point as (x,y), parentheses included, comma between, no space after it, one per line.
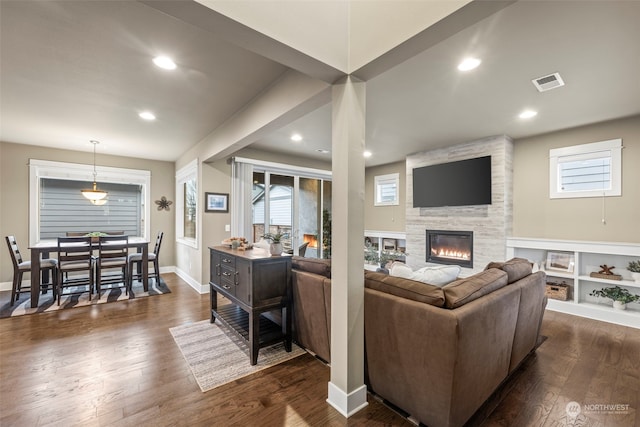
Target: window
(54,192)
(386,188)
(587,170)
(187,204)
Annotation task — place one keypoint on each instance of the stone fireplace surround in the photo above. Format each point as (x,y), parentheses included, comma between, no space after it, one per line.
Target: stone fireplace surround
(491,224)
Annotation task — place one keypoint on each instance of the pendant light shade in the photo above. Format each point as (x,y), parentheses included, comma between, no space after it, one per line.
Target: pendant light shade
(94,195)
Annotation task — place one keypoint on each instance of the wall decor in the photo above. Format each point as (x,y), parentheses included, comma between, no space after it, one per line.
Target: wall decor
(560,261)
(216,202)
(164,204)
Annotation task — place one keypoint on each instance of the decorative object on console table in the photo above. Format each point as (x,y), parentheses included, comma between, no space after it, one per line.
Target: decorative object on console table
(559,291)
(634,268)
(606,273)
(276,242)
(620,296)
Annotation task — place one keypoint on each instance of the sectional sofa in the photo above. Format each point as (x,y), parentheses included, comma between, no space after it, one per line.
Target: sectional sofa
(437,353)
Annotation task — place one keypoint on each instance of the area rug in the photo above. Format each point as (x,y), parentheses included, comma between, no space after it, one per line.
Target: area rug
(216,359)
(46,302)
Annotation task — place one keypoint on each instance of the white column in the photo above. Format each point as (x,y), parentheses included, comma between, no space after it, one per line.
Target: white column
(347,392)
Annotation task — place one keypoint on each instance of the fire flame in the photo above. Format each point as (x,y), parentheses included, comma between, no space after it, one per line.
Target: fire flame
(451,253)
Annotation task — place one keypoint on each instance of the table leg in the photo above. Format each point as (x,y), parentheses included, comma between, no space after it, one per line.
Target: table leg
(213,297)
(287,326)
(254,336)
(145,267)
(35,277)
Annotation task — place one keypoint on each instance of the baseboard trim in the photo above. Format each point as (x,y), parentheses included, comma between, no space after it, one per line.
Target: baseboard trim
(347,403)
(198,287)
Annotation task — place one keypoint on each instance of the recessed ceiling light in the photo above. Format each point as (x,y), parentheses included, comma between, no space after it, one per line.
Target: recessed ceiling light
(469,64)
(164,62)
(147,115)
(296,137)
(527,114)
(322,151)
(367,154)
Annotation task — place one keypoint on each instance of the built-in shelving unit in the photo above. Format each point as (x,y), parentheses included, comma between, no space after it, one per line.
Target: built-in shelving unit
(385,240)
(587,258)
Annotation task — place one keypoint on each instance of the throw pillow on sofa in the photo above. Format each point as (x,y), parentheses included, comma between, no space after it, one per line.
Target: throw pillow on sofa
(438,276)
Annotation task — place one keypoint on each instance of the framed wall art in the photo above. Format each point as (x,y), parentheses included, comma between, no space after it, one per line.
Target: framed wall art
(216,202)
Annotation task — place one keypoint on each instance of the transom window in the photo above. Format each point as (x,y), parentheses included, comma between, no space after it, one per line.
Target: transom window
(587,170)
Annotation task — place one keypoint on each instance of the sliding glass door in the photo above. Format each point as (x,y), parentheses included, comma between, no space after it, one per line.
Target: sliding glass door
(294,205)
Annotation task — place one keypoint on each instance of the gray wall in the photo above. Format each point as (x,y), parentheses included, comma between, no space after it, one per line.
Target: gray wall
(535,215)
(384,218)
(14,194)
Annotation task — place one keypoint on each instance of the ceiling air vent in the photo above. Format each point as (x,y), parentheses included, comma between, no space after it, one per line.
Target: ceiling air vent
(549,82)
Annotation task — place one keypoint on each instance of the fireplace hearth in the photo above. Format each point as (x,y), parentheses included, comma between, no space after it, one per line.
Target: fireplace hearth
(450,247)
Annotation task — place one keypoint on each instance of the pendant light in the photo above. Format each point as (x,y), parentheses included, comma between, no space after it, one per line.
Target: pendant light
(94,195)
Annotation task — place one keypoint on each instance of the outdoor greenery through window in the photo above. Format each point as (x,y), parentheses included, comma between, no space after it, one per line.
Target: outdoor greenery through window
(187,204)
(190,195)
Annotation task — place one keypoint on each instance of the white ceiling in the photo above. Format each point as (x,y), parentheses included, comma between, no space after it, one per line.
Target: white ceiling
(79,70)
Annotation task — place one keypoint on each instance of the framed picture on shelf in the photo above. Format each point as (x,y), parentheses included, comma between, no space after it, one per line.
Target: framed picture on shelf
(560,261)
(216,202)
(389,244)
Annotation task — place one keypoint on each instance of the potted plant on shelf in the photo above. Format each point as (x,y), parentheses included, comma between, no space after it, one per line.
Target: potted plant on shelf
(620,296)
(276,242)
(371,256)
(634,268)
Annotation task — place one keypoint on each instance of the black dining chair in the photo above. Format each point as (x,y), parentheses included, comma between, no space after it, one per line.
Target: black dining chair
(136,259)
(75,255)
(112,254)
(20,267)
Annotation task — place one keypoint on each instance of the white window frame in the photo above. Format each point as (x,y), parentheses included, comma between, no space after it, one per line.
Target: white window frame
(610,148)
(80,172)
(187,173)
(380,182)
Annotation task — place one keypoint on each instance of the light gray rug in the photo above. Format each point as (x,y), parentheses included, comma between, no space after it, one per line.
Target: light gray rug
(215,359)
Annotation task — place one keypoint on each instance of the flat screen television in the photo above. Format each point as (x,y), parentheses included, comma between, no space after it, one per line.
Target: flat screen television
(461,183)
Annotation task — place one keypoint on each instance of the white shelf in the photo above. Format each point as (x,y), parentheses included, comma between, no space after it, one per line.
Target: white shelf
(377,238)
(588,256)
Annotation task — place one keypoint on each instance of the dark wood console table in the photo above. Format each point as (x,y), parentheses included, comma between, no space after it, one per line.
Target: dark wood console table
(255,282)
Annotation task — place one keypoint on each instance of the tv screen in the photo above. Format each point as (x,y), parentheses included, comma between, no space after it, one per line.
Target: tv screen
(461,183)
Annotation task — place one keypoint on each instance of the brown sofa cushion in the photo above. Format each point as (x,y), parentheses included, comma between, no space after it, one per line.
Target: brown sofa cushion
(405,288)
(312,265)
(465,290)
(516,268)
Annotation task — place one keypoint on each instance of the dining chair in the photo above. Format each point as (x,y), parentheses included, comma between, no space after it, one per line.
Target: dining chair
(75,255)
(136,259)
(20,267)
(112,254)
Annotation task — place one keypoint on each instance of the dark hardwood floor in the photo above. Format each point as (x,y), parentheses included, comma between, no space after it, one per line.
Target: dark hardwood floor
(116,364)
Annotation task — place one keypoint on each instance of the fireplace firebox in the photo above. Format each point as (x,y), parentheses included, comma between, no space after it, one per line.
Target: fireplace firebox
(450,247)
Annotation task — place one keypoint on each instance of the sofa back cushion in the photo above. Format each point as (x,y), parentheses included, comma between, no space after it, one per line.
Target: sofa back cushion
(516,268)
(312,265)
(465,290)
(405,288)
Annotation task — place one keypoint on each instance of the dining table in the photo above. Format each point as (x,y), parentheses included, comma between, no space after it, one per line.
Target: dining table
(45,247)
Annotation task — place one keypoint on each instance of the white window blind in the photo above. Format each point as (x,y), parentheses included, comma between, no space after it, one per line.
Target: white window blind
(386,189)
(587,170)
